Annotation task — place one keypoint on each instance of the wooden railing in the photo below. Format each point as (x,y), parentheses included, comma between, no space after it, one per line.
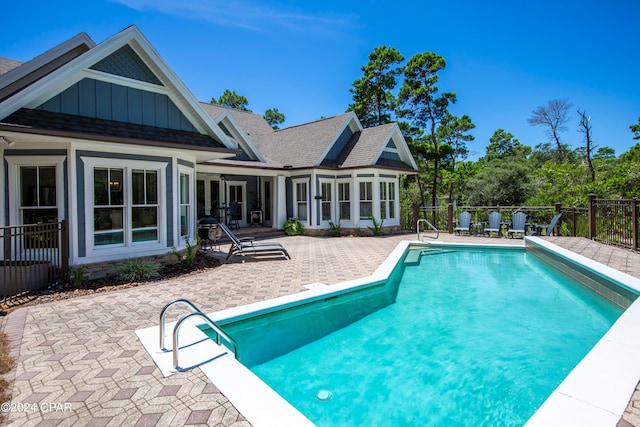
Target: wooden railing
(33,257)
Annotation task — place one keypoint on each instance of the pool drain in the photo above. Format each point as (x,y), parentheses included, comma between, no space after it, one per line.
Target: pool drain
(323,395)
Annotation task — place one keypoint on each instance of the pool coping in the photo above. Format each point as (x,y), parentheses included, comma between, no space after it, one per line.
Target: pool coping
(597,389)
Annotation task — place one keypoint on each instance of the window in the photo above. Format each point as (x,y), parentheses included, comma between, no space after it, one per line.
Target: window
(38,194)
(108,212)
(327,201)
(344,202)
(387,200)
(126,203)
(185,204)
(366,200)
(144,205)
(301,201)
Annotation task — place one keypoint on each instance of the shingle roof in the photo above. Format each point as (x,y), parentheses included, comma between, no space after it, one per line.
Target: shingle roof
(252,124)
(303,145)
(46,120)
(7,65)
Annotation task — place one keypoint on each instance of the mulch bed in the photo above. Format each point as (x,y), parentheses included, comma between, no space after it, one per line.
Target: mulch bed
(62,291)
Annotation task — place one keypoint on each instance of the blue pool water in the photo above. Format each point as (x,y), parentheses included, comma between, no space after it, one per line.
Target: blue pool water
(472,337)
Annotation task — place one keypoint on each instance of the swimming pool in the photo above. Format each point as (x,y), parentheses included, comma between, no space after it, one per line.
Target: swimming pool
(596,391)
(454,337)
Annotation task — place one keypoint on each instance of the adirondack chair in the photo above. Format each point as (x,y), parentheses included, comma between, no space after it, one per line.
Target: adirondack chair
(495,226)
(518,224)
(464,223)
(548,228)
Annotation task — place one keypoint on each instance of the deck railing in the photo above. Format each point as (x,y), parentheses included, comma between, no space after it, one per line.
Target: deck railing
(33,257)
(610,221)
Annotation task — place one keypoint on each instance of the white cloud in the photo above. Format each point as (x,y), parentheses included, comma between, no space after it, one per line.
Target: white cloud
(245,14)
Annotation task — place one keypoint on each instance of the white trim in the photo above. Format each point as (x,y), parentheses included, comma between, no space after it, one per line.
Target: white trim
(109,252)
(332,203)
(14,163)
(296,214)
(243,204)
(191,232)
(351,118)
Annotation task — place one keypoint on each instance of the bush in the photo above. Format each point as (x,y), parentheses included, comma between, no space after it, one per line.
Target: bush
(137,270)
(292,227)
(377,227)
(189,257)
(335,229)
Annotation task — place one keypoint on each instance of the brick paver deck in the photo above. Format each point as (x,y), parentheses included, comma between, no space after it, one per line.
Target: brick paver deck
(80,363)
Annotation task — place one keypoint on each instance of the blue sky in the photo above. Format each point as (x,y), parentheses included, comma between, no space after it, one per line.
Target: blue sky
(504,58)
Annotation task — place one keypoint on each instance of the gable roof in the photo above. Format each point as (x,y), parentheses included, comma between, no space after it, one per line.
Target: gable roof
(303,145)
(239,126)
(23,74)
(7,65)
(87,65)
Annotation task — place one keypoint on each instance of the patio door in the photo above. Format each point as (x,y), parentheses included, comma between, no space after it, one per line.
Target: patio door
(237,193)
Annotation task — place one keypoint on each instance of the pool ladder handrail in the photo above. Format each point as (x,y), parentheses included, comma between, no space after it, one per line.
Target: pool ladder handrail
(430,225)
(195,313)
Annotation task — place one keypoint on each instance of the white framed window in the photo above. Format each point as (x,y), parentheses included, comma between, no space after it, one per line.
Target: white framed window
(366,200)
(124,201)
(185,203)
(38,182)
(301,202)
(344,201)
(327,201)
(387,199)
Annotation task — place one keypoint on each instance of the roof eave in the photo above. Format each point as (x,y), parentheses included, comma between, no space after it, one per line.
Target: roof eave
(112,139)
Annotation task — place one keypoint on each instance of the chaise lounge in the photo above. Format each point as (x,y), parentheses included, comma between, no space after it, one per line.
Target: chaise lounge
(248,246)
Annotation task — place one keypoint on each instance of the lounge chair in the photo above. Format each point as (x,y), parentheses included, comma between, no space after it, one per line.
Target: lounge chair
(495,224)
(548,228)
(464,223)
(247,246)
(518,224)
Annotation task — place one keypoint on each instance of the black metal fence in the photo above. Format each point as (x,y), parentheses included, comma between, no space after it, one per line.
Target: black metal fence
(33,257)
(610,221)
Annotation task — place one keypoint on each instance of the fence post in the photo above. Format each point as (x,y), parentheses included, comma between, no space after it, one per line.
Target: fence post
(558,211)
(574,219)
(634,209)
(415,217)
(64,244)
(450,218)
(592,216)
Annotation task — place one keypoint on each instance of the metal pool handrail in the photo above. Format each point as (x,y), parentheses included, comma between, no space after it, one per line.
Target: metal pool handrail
(430,225)
(164,312)
(211,323)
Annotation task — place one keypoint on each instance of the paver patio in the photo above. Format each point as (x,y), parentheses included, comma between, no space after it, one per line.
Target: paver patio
(80,362)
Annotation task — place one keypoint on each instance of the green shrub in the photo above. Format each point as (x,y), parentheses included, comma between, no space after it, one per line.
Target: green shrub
(77,275)
(292,227)
(137,270)
(377,227)
(189,257)
(335,229)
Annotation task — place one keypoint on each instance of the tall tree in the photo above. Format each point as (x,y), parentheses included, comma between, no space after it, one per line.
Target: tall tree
(554,115)
(454,133)
(373,101)
(636,129)
(584,127)
(231,99)
(274,117)
(503,145)
(421,104)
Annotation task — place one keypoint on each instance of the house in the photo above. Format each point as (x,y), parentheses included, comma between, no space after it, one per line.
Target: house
(106,137)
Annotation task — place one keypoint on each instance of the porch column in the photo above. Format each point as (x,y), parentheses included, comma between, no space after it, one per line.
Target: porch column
(281,203)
